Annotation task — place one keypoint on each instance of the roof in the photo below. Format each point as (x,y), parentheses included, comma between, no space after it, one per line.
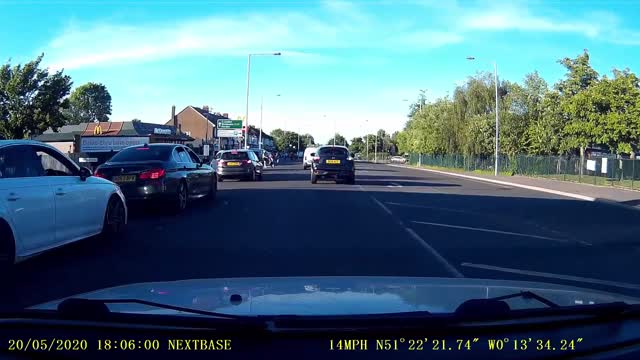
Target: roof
(117,128)
(21,142)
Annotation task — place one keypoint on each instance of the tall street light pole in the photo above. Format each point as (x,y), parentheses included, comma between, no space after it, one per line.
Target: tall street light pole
(246,117)
(260,138)
(367,129)
(497,150)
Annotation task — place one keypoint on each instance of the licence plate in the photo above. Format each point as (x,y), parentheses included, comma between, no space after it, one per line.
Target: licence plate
(124,178)
(332,161)
(233,163)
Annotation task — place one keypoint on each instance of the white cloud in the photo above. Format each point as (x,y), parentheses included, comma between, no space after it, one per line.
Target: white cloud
(346,26)
(520,19)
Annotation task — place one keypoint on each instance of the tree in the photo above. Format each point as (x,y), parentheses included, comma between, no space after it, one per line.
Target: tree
(89,102)
(340,140)
(31,99)
(357,145)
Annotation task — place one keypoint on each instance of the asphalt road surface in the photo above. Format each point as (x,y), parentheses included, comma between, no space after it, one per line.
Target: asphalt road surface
(393,222)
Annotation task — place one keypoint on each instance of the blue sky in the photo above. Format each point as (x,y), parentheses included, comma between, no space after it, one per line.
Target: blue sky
(343,62)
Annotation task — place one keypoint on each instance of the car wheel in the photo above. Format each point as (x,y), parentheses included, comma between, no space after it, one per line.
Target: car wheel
(352,180)
(314,178)
(254,176)
(114,219)
(260,177)
(7,248)
(182,197)
(220,178)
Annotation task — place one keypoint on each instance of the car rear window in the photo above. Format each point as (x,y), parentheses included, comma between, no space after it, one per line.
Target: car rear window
(333,151)
(240,155)
(143,154)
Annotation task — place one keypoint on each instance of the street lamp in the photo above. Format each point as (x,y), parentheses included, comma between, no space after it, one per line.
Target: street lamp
(261,104)
(246,118)
(366,126)
(495,80)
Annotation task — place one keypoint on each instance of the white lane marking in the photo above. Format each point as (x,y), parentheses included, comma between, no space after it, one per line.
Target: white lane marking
(447,265)
(386,209)
(394,185)
(505,183)
(490,231)
(434,208)
(554,276)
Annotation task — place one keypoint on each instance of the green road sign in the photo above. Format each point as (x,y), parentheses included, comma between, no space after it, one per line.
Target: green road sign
(227,124)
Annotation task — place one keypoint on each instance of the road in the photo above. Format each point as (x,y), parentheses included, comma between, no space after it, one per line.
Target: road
(393,222)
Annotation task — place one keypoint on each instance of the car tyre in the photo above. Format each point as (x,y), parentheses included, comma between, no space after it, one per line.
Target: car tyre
(220,178)
(115,220)
(182,198)
(352,180)
(7,249)
(314,178)
(254,176)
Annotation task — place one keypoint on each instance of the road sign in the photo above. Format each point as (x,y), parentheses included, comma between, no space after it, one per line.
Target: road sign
(229,133)
(225,124)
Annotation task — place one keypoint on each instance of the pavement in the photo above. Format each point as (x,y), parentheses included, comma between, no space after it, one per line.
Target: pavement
(584,191)
(395,221)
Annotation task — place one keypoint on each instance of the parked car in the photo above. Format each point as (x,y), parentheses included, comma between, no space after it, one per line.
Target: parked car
(333,162)
(239,164)
(398,159)
(165,172)
(307,159)
(46,200)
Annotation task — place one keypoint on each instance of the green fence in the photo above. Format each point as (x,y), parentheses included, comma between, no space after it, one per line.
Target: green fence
(598,171)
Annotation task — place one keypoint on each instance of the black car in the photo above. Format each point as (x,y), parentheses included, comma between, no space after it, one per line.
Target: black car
(170,172)
(333,162)
(239,164)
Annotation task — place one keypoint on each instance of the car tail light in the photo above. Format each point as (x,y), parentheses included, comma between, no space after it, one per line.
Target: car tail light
(246,161)
(221,163)
(316,159)
(99,174)
(152,174)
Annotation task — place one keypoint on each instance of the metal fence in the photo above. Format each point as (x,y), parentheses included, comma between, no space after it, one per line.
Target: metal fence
(597,171)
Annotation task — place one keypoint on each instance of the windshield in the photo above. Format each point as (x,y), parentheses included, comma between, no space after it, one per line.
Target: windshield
(333,151)
(241,155)
(452,141)
(143,154)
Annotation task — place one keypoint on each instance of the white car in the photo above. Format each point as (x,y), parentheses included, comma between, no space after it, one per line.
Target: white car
(306,158)
(398,159)
(46,201)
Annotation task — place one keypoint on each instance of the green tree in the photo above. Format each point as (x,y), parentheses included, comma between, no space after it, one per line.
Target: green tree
(31,99)
(89,102)
(340,140)
(357,145)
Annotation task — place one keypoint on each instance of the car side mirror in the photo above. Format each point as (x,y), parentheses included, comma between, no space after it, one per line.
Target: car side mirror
(312,154)
(85,173)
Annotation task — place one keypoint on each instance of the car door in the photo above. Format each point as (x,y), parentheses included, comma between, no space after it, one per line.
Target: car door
(189,169)
(27,199)
(80,204)
(203,173)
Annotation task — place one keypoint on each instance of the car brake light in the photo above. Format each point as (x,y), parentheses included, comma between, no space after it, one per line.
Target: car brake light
(99,174)
(246,161)
(152,174)
(221,163)
(316,159)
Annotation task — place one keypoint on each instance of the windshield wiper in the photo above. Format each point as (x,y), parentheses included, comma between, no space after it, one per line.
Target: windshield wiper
(97,308)
(527,295)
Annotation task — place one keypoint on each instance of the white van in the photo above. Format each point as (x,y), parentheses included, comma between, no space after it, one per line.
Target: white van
(307,159)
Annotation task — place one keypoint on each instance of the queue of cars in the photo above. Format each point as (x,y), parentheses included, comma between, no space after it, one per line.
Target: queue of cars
(47,200)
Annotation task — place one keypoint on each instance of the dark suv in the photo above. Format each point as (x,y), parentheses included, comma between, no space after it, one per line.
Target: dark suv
(333,162)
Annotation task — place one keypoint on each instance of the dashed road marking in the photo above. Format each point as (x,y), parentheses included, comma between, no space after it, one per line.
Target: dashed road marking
(490,231)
